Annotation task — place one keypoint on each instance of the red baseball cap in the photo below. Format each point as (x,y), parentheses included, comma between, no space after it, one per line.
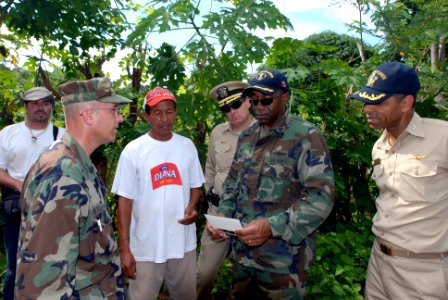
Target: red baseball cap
(157,95)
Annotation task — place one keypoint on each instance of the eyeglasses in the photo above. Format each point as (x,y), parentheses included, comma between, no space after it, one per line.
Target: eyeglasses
(116,110)
(265,101)
(235,105)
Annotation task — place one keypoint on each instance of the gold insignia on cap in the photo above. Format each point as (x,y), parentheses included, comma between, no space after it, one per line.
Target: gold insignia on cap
(229,99)
(262,75)
(263,88)
(374,77)
(371,97)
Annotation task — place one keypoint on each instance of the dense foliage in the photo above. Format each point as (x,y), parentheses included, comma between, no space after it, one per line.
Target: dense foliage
(76,38)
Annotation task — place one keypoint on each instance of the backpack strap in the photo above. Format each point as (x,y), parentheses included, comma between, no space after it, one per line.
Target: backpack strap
(55,132)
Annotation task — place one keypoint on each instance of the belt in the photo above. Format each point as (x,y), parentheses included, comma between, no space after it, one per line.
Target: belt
(213,198)
(391,251)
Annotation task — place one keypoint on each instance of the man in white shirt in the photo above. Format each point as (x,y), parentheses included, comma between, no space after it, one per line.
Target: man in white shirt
(158,181)
(20,146)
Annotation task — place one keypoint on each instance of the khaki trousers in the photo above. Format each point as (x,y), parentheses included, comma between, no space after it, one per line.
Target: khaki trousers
(212,255)
(396,278)
(179,276)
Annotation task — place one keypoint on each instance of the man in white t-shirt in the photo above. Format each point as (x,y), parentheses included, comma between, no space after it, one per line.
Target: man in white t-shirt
(20,146)
(158,181)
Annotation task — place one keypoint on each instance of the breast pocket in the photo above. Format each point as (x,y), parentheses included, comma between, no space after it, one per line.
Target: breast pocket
(102,235)
(418,181)
(224,156)
(275,184)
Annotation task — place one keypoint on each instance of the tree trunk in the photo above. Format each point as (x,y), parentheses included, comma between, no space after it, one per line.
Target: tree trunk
(442,48)
(437,59)
(361,51)
(434,56)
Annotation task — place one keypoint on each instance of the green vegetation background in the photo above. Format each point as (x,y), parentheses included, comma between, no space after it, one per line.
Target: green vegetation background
(76,38)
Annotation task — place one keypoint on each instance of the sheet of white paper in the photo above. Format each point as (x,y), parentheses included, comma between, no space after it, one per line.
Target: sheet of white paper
(222,223)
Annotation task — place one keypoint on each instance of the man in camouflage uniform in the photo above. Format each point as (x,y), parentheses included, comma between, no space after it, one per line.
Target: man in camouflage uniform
(281,187)
(67,249)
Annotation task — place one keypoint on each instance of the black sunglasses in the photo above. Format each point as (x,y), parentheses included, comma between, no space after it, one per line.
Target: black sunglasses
(235,105)
(264,101)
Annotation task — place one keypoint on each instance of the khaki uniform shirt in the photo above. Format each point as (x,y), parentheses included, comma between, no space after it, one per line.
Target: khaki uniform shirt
(221,149)
(412,177)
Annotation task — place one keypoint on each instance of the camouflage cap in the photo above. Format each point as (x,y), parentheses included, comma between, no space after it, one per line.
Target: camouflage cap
(99,89)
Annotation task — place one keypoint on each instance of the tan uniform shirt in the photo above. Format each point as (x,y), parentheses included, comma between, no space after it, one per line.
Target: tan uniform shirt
(412,177)
(221,149)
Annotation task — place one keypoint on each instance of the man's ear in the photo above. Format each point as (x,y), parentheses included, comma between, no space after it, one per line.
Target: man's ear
(285,97)
(145,115)
(407,103)
(87,117)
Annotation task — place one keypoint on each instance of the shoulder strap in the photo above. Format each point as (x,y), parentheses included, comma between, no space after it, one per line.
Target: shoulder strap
(55,132)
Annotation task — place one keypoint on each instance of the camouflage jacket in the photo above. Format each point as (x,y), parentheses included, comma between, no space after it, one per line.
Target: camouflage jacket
(284,175)
(67,249)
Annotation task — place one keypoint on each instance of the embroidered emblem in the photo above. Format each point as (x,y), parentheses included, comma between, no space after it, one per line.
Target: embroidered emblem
(262,75)
(374,77)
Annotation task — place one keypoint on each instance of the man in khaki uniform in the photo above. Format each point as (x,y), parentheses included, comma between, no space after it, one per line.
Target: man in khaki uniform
(221,149)
(410,167)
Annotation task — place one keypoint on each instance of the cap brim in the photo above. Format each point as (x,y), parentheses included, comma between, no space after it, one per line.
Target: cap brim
(264,89)
(371,96)
(115,99)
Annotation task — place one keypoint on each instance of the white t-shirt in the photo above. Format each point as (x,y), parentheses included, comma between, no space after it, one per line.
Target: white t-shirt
(158,176)
(17,150)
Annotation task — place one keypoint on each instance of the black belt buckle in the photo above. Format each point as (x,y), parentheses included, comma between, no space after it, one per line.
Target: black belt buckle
(386,250)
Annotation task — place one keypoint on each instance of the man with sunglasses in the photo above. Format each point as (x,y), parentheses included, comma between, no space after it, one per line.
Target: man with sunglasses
(221,148)
(281,187)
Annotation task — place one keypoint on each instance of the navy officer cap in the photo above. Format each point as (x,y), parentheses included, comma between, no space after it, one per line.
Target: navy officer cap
(227,92)
(386,80)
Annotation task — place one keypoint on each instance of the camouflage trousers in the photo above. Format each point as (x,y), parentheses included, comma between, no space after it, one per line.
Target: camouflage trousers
(251,283)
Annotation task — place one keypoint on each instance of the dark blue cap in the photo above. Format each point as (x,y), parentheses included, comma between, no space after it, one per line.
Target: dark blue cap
(388,79)
(267,82)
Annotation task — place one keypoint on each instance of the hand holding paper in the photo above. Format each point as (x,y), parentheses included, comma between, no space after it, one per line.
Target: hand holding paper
(222,223)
